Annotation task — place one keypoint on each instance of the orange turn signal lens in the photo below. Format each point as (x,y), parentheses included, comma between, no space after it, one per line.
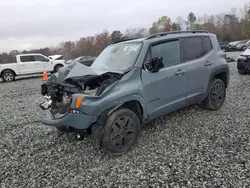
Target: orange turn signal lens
(78,102)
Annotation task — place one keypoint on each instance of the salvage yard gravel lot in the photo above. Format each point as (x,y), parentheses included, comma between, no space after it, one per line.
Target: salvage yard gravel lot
(192,147)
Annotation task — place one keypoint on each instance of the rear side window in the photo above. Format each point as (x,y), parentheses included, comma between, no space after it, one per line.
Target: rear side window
(191,48)
(207,44)
(27,58)
(170,51)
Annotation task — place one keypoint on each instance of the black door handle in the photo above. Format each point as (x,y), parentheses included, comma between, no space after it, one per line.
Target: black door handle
(208,63)
(179,72)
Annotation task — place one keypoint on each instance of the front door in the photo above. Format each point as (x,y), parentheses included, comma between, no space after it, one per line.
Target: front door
(42,63)
(165,91)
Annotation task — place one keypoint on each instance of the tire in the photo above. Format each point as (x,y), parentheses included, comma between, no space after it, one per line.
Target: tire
(57,67)
(216,96)
(121,132)
(242,72)
(8,76)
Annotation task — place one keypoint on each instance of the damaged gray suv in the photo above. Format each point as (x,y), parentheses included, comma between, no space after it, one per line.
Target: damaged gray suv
(132,82)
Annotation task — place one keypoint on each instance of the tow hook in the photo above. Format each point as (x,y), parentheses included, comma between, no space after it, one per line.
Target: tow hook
(47,103)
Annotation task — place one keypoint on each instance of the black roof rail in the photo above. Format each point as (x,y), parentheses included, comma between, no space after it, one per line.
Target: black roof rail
(174,32)
(123,40)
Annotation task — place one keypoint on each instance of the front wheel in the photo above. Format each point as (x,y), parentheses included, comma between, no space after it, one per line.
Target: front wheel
(121,132)
(216,96)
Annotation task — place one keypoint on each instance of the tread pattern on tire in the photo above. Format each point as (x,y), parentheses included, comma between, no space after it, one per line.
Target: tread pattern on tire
(207,102)
(106,146)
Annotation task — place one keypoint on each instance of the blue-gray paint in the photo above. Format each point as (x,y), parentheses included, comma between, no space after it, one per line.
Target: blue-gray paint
(158,93)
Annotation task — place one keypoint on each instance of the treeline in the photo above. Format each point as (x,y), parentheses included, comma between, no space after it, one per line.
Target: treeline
(230,26)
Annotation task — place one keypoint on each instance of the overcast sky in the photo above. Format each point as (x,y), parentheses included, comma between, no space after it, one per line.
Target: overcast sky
(29,24)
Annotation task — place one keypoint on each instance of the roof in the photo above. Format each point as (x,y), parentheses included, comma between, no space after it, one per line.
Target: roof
(166,35)
(29,54)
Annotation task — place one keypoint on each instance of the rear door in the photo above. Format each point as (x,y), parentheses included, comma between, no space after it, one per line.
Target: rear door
(26,64)
(196,54)
(165,90)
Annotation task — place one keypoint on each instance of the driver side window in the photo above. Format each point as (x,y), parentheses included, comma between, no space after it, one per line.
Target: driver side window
(170,51)
(39,58)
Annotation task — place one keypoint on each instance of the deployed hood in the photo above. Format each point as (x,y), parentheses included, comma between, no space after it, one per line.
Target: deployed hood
(77,74)
(55,57)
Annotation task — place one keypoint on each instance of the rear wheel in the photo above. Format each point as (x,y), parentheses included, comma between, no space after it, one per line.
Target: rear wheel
(8,76)
(121,132)
(216,96)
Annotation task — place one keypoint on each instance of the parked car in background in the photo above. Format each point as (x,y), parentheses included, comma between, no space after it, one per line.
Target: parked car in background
(243,62)
(56,57)
(243,46)
(86,60)
(223,45)
(26,64)
(232,46)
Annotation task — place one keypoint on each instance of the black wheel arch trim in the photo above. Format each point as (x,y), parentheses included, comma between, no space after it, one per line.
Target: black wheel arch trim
(224,69)
(7,70)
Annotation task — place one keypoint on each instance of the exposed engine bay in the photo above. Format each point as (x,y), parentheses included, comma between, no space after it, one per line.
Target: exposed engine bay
(75,78)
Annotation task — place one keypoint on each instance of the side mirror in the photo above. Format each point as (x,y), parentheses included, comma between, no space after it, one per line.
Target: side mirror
(154,65)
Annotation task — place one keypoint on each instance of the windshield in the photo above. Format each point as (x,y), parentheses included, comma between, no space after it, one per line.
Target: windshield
(117,57)
(77,59)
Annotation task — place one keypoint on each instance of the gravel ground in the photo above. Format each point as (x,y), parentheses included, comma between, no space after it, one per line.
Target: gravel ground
(192,147)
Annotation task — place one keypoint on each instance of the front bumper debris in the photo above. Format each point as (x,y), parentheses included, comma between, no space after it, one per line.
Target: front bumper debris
(77,121)
(46,104)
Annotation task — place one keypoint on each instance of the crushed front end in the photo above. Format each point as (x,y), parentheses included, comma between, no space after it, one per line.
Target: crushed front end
(243,63)
(63,89)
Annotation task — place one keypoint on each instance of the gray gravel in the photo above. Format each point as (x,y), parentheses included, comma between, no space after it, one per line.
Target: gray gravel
(192,147)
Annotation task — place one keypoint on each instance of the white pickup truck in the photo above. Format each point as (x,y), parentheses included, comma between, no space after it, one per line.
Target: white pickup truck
(26,64)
